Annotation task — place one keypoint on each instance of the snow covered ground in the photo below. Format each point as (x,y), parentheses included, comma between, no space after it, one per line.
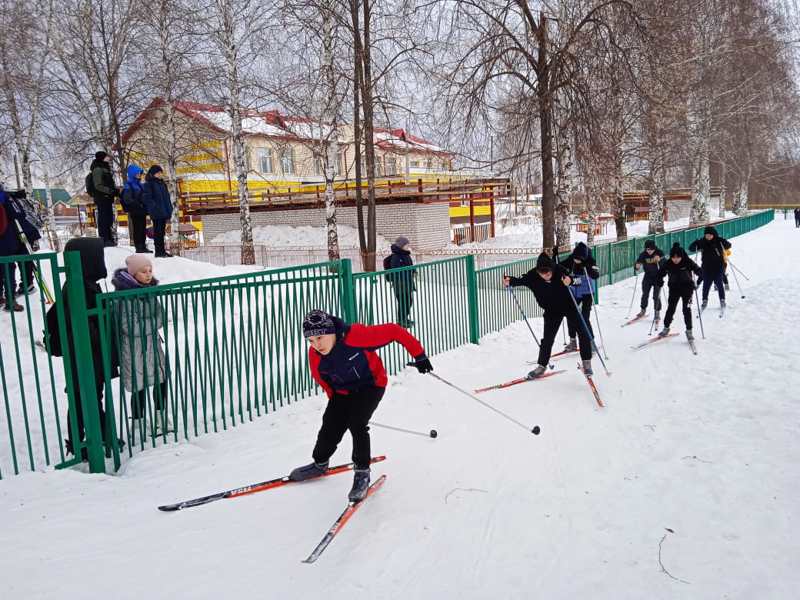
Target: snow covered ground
(530,235)
(684,486)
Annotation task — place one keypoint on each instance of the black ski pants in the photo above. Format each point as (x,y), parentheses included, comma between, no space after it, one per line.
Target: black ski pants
(551,325)
(104,215)
(159,231)
(348,411)
(675,294)
(404,294)
(136,229)
(648,285)
(716,279)
(574,325)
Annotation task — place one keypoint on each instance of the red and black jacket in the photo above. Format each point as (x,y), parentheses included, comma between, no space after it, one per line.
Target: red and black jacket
(353,364)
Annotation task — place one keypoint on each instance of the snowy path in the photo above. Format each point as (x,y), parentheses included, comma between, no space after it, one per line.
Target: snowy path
(704,445)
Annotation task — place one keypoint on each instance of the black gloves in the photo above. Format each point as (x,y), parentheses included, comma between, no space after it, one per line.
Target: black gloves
(423,364)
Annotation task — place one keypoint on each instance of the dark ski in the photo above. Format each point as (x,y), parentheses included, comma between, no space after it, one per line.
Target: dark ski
(653,340)
(337,526)
(256,487)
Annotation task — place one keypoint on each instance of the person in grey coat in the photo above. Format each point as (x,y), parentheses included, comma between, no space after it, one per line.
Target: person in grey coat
(138,321)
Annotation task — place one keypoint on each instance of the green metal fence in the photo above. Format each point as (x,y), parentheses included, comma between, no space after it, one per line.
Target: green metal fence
(497,309)
(37,391)
(203,356)
(216,353)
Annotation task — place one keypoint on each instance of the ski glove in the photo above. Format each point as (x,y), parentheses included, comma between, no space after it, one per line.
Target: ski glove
(423,364)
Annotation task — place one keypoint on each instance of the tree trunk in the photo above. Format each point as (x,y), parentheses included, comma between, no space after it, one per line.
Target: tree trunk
(546,132)
(656,199)
(619,202)
(701,186)
(563,192)
(50,221)
(239,157)
(722,191)
(330,120)
(740,199)
(369,139)
(358,77)
(175,246)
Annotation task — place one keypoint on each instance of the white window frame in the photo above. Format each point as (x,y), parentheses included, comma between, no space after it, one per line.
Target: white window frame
(287,153)
(265,153)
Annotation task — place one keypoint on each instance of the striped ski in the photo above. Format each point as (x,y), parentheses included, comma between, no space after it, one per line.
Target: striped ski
(653,340)
(501,386)
(256,487)
(592,387)
(337,526)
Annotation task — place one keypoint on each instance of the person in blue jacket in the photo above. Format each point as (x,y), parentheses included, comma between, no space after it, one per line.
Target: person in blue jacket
(155,196)
(12,220)
(133,204)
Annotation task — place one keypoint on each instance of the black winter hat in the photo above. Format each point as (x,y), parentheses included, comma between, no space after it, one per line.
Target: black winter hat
(318,322)
(677,250)
(100,155)
(93,263)
(581,251)
(710,230)
(153,170)
(544,262)
(650,244)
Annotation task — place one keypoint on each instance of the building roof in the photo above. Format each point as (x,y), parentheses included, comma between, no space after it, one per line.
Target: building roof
(59,195)
(274,125)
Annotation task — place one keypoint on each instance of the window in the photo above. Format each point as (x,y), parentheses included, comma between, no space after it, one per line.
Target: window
(287,161)
(391,165)
(429,164)
(415,163)
(265,160)
(319,165)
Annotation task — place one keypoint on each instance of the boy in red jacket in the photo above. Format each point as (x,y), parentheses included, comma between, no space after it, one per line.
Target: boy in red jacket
(343,362)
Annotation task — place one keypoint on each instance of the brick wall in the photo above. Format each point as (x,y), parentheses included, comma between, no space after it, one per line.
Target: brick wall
(425,225)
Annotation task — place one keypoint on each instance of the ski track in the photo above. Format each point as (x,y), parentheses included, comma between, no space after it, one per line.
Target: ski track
(704,445)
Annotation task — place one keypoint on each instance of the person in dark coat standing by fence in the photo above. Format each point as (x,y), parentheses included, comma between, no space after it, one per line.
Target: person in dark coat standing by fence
(133,203)
(155,196)
(101,187)
(403,283)
(797,217)
(93,267)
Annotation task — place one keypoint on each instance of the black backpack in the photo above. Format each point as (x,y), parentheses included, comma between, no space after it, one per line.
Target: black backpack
(90,184)
(387,263)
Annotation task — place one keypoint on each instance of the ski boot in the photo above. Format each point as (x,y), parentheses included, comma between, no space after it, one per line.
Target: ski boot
(641,313)
(309,471)
(360,485)
(572,346)
(689,335)
(664,332)
(587,368)
(537,372)
(722,303)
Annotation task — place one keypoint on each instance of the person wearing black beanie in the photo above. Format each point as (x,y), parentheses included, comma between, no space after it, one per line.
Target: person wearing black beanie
(550,286)
(681,286)
(650,261)
(714,254)
(101,187)
(582,269)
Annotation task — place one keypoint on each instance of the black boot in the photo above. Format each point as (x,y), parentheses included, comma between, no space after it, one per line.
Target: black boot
(360,485)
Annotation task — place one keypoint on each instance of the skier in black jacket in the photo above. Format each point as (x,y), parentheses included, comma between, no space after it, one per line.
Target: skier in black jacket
(550,285)
(679,267)
(713,249)
(578,266)
(650,260)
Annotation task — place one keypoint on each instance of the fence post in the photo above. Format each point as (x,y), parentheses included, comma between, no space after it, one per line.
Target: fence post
(85,386)
(473,310)
(347,289)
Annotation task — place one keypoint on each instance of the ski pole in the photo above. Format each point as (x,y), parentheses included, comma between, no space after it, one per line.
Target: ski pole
(432,434)
(739,270)
(524,316)
(596,314)
(588,332)
(737,282)
(485,404)
(699,313)
(633,296)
